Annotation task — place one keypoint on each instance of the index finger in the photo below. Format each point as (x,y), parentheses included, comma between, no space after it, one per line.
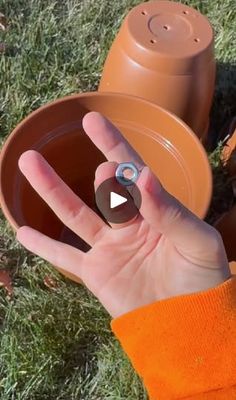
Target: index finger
(109,140)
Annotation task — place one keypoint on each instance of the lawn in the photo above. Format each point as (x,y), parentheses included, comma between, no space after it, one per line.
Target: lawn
(56,342)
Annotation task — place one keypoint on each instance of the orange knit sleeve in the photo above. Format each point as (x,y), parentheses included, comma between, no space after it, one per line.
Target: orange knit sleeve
(184,347)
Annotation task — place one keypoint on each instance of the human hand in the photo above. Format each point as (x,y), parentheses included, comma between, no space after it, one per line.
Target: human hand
(166,251)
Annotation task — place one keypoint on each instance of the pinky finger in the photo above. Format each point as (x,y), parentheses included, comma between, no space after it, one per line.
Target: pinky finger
(67,259)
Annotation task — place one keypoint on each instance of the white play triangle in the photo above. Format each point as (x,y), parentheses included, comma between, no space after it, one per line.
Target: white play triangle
(116,200)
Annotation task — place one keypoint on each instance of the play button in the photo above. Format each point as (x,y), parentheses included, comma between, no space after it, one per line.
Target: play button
(116,200)
(117,203)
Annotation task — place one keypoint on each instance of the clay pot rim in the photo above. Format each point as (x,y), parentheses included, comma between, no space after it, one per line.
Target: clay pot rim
(52,103)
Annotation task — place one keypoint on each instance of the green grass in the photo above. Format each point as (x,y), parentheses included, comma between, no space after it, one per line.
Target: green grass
(56,343)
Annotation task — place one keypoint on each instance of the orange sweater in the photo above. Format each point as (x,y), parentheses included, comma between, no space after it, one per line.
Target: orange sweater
(184,347)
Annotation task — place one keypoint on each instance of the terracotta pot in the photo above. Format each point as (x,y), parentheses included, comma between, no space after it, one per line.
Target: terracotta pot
(233,267)
(228,155)
(226,225)
(166,144)
(164,52)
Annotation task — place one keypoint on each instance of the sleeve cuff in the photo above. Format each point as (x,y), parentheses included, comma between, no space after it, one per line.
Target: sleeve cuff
(183,346)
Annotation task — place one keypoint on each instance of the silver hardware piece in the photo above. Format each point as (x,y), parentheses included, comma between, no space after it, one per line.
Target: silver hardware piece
(120,173)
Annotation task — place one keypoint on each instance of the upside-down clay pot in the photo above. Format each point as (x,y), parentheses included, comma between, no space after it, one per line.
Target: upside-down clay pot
(55,130)
(164,52)
(226,225)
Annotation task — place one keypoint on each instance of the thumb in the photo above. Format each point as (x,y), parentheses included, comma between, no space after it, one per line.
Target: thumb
(192,237)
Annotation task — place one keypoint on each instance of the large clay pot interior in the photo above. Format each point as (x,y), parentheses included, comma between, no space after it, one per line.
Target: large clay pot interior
(166,144)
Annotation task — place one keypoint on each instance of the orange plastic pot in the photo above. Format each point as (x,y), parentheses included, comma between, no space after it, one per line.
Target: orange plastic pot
(166,144)
(164,52)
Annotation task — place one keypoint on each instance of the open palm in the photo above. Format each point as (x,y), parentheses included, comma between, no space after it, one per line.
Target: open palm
(165,251)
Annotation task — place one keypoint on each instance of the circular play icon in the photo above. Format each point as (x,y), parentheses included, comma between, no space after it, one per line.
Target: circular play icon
(118,203)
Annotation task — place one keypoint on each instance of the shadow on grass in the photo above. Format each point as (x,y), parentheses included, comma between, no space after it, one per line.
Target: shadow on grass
(79,365)
(80,355)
